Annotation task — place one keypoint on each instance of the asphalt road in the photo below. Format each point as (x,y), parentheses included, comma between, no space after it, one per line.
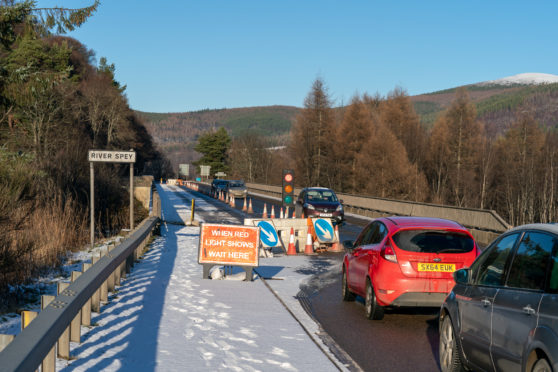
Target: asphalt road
(405,340)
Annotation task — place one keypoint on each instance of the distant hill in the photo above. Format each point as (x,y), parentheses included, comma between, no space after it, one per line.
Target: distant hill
(497,102)
(176,133)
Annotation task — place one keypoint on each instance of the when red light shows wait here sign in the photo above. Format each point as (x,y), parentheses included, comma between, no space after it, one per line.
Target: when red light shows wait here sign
(229,245)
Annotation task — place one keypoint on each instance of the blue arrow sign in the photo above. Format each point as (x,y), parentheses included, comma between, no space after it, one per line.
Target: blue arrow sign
(324,230)
(268,236)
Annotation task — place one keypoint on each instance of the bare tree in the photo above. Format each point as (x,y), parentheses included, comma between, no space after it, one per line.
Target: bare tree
(312,137)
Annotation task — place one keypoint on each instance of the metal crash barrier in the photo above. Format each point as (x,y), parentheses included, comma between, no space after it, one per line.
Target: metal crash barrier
(58,321)
(485,225)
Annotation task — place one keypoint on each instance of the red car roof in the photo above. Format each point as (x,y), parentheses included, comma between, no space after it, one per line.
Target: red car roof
(428,222)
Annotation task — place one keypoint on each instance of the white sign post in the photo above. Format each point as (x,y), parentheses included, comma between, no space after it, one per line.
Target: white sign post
(104,156)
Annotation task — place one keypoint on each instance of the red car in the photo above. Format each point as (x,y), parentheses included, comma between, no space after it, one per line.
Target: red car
(405,261)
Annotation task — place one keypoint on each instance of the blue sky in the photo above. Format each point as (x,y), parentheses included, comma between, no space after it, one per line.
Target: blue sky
(186,55)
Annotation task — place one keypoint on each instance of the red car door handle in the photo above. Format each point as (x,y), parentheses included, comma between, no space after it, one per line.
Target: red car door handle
(529,310)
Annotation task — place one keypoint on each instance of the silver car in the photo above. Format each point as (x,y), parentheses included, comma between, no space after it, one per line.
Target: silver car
(502,314)
(237,189)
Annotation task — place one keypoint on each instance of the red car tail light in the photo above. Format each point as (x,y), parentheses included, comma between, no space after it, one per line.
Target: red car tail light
(388,253)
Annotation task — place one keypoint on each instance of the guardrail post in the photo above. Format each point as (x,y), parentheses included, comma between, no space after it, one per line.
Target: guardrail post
(5,340)
(110,279)
(64,340)
(49,363)
(26,318)
(75,325)
(86,309)
(104,286)
(96,299)
(117,274)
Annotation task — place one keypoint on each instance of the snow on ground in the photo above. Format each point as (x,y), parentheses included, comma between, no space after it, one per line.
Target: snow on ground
(165,317)
(46,284)
(525,79)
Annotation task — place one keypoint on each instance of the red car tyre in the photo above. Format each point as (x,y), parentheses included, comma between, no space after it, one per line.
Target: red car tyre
(371,306)
(347,294)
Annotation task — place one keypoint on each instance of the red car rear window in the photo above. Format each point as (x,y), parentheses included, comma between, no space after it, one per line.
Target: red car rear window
(433,241)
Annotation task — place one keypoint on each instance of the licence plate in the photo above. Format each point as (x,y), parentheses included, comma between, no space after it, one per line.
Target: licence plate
(436,267)
(326,214)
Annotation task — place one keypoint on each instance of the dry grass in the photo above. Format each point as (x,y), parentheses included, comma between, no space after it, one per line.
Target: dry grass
(39,238)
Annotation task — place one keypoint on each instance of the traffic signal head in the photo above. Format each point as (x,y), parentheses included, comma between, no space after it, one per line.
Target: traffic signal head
(287,191)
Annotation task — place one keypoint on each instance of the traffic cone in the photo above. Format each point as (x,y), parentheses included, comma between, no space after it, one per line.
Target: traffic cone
(245,208)
(272,214)
(250,210)
(309,248)
(281,215)
(231,203)
(264,214)
(336,247)
(294,213)
(292,248)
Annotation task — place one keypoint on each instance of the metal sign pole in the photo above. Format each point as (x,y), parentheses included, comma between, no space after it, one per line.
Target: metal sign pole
(92,207)
(131,196)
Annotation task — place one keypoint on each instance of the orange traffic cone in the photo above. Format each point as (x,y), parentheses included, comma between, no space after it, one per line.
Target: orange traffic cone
(292,248)
(281,215)
(294,213)
(245,208)
(250,210)
(309,248)
(336,247)
(231,201)
(272,214)
(264,214)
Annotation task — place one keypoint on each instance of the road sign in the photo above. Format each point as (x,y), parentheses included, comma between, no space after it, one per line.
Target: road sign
(229,245)
(184,169)
(268,234)
(109,157)
(324,230)
(204,170)
(112,156)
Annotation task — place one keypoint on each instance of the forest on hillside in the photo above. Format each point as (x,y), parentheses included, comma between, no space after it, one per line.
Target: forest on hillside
(56,103)
(176,133)
(378,146)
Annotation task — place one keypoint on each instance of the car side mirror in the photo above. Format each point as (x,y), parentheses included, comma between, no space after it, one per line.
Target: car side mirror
(348,245)
(462,276)
(341,201)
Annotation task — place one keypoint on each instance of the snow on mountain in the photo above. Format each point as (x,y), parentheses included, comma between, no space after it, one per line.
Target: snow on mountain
(530,78)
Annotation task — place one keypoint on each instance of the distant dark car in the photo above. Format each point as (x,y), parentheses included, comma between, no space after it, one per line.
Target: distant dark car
(319,202)
(218,186)
(502,314)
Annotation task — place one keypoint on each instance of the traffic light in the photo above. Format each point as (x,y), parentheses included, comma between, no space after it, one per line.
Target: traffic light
(287,192)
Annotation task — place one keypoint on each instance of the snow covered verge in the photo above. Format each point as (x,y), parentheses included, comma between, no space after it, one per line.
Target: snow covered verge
(166,317)
(10,323)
